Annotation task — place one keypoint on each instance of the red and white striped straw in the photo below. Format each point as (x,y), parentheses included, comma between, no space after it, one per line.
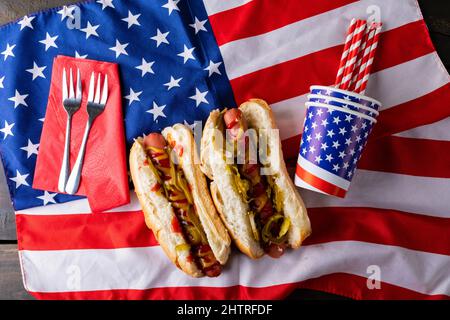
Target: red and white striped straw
(364,71)
(348,41)
(363,54)
(352,55)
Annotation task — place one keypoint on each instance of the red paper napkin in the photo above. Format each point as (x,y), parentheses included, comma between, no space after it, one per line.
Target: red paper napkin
(104,178)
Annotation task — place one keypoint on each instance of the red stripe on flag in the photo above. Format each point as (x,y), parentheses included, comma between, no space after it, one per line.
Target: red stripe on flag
(396,155)
(83,231)
(261,16)
(319,183)
(355,287)
(388,227)
(409,156)
(65,232)
(418,112)
(418,157)
(293,78)
(347,285)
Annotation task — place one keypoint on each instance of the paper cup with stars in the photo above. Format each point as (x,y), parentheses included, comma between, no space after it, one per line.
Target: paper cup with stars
(346,95)
(332,143)
(343,104)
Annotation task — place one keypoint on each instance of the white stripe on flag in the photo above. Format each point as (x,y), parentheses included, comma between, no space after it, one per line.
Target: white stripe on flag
(439,130)
(310,35)
(78,207)
(143,268)
(401,83)
(393,86)
(216,6)
(422,195)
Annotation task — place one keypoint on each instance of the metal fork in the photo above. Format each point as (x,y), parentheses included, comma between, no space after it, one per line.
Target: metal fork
(71,103)
(95,106)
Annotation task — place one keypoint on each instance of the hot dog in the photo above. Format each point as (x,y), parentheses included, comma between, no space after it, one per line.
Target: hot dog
(260,203)
(263,213)
(175,200)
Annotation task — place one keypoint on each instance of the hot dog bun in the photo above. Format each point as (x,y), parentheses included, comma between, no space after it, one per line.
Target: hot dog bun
(159,213)
(232,208)
(216,233)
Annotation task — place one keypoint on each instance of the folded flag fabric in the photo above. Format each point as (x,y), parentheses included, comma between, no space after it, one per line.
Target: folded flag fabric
(104,174)
(178,60)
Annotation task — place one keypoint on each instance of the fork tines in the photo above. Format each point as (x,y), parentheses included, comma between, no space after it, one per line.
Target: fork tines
(71,94)
(104,93)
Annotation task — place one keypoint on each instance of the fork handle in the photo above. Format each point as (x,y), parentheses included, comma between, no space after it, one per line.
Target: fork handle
(65,167)
(75,176)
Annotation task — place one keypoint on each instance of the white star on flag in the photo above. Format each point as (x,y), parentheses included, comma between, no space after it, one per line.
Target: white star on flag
(336,167)
(7,130)
(330,133)
(132,20)
(8,52)
(49,41)
(20,179)
(336,144)
(106,3)
(341,154)
(79,56)
(90,30)
(48,197)
(119,48)
(19,99)
(1,82)
(36,71)
(160,37)
(336,120)
(26,22)
(199,25)
(199,97)
(30,148)
(171,5)
(133,96)
(146,67)
(329,157)
(187,54)
(342,131)
(172,83)
(348,118)
(213,68)
(157,111)
(66,12)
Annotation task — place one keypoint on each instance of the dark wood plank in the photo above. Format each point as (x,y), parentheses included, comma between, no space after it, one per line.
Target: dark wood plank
(7,221)
(437,16)
(11,286)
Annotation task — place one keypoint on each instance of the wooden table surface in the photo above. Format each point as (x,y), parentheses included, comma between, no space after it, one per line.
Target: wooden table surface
(437,16)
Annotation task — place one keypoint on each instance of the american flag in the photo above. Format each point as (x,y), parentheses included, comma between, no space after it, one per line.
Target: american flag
(181,58)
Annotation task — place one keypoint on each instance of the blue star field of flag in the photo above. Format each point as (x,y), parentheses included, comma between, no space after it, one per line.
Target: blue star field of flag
(333,140)
(170,66)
